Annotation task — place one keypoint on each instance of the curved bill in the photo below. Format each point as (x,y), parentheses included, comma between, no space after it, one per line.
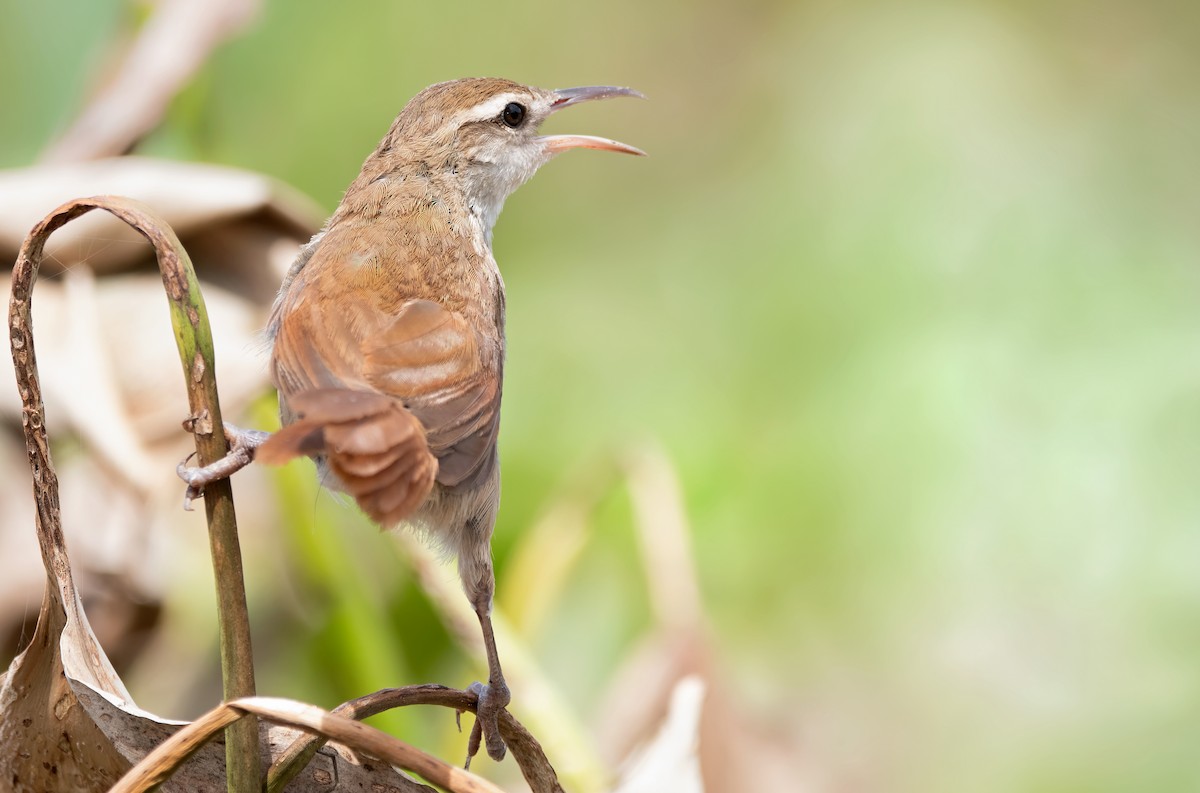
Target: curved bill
(566,97)
(586,93)
(560,143)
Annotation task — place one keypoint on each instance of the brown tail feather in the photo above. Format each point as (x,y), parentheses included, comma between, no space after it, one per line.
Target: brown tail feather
(372,444)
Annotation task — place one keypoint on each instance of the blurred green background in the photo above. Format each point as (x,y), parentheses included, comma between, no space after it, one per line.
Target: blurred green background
(909,293)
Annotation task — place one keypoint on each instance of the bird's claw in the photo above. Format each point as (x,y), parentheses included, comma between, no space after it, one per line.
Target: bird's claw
(187,474)
(242,445)
(490,701)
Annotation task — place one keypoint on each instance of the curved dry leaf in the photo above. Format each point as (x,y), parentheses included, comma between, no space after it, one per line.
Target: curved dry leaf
(49,740)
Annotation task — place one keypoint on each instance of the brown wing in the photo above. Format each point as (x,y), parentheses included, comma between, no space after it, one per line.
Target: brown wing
(428,358)
(444,372)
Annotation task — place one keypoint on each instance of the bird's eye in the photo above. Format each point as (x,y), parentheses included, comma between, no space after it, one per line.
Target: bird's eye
(513,114)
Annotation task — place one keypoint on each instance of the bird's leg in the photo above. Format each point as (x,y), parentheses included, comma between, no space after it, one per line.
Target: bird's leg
(492,698)
(242,444)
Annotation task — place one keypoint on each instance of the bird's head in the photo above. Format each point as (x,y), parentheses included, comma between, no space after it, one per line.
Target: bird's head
(484,132)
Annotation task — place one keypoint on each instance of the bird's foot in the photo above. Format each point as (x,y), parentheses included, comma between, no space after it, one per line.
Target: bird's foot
(242,445)
(492,699)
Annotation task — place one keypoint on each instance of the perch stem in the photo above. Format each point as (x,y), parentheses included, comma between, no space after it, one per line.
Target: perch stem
(194,340)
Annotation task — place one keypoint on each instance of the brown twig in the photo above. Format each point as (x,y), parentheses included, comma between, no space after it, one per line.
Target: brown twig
(166,757)
(526,750)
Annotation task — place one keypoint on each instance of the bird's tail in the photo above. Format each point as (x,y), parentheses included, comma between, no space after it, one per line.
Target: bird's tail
(372,444)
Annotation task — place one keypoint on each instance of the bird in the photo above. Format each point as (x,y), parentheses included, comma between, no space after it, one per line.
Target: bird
(388,333)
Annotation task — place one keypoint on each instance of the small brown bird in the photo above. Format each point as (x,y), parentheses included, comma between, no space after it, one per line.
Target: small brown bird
(388,332)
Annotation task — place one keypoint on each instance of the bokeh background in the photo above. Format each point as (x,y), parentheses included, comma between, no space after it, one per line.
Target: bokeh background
(906,298)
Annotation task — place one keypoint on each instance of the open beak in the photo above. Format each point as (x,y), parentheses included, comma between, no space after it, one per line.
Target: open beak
(566,97)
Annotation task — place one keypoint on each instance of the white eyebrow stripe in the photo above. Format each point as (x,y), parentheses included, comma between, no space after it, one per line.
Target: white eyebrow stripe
(492,107)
